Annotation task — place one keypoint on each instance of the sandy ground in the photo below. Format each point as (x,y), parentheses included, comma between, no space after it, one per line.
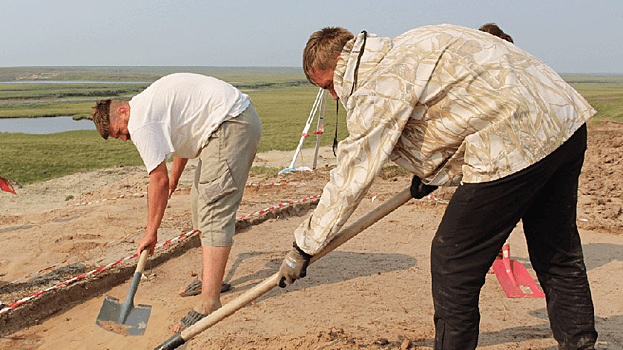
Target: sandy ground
(373,292)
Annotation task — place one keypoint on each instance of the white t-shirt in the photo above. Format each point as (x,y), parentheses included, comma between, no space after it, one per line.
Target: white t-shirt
(177,114)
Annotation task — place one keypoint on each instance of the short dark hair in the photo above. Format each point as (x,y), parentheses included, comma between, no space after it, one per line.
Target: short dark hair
(101,118)
(493,29)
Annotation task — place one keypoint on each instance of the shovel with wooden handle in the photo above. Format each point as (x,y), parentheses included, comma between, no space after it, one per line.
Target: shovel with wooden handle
(125,318)
(270,283)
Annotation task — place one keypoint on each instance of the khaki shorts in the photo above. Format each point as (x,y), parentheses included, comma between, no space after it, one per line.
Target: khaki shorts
(221,175)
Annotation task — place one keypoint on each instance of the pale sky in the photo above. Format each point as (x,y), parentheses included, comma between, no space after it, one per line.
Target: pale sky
(571,36)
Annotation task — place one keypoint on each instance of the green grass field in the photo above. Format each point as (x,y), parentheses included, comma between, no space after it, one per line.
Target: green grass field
(282,99)
(604,93)
(51,100)
(31,158)
(281,96)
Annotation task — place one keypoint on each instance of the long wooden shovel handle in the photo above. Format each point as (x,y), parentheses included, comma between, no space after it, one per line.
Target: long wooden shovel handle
(271,282)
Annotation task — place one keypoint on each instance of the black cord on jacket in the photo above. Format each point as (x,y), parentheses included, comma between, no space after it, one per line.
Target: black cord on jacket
(337,106)
(363,46)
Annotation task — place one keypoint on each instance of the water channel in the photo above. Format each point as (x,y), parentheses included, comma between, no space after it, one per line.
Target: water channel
(50,125)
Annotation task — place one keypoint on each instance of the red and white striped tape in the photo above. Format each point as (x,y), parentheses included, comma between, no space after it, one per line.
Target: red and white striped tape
(92,272)
(431,197)
(68,259)
(111,199)
(280,205)
(79,255)
(138,194)
(275,184)
(125,236)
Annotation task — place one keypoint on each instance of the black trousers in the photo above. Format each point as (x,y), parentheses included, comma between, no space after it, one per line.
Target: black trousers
(476,224)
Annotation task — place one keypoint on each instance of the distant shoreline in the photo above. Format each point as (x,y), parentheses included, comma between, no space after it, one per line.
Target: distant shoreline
(215,69)
(72,82)
(130,73)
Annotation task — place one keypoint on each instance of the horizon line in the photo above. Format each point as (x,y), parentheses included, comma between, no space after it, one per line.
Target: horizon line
(216,66)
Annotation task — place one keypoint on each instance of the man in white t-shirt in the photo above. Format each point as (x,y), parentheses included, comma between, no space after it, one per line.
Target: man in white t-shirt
(186,116)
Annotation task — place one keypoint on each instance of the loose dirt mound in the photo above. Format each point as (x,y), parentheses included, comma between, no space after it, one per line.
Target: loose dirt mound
(601,183)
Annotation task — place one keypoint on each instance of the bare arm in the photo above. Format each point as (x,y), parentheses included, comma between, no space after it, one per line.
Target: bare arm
(158,198)
(176,171)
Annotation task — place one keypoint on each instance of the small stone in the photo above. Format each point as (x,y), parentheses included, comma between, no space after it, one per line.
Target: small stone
(382,341)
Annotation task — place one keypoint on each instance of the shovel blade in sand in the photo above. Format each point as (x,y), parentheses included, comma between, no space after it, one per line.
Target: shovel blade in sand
(134,321)
(125,318)
(514,277)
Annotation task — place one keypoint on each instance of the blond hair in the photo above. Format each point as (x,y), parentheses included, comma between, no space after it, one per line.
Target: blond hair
(101,117)
(322,49)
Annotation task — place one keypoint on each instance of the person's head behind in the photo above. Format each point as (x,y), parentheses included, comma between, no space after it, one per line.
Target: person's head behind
(493,29)
(108,122)
(323,48)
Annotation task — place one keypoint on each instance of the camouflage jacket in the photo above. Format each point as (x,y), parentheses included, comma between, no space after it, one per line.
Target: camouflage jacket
(449,104)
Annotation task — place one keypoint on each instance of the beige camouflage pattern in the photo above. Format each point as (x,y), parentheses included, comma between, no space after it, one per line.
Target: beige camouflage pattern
(450,104)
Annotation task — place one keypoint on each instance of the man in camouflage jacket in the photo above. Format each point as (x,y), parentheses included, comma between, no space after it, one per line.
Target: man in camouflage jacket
(459,107)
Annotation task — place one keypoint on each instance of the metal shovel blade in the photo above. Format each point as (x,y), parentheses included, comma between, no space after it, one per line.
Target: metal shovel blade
(134,324)
(515,278)
(125,318)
